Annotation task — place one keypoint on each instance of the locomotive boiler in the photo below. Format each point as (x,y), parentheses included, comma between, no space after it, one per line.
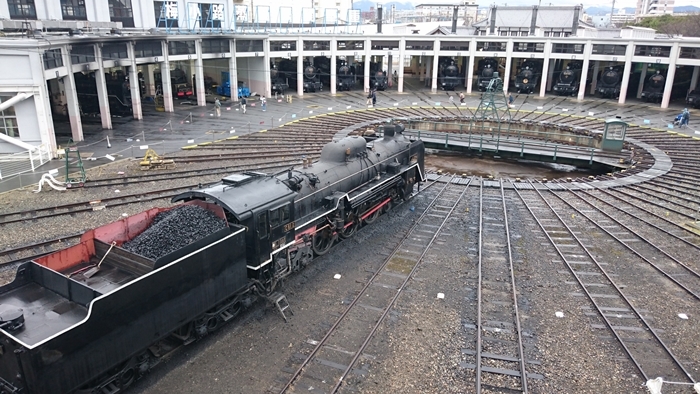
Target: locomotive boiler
(312,82)
(118,94)
(64,330)
(609,82)
(654,88)
(449,76)
(527,77)
(487,68)
(569,79)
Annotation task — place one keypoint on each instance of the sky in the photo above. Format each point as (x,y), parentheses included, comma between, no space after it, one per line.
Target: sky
(597,3)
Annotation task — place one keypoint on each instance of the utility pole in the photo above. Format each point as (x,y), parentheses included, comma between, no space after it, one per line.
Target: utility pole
(612,11)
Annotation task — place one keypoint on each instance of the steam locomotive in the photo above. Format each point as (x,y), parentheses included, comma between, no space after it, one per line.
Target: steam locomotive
(610,81)
(346,77)
(654,88)
(311,79)
(278,80)
(64,330)
(569,79)
(379,80)
(449,76)
(527,77)
(693,98)
(179,83)
(487,67)
(118,94)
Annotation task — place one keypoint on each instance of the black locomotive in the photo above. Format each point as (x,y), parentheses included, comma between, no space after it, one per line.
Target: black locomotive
(278,80)
(379,80)
(179,83)
(311,79)
(64,330)
(654,88)
(487,67)
(527,77)
(569,79)
(118,94)
(448,75)
(609,82)
(345,77)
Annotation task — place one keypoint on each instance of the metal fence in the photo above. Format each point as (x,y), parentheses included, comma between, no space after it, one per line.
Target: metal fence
(26,161)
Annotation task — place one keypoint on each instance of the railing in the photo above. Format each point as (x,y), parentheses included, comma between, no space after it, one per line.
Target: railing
(21,162)
(587,141)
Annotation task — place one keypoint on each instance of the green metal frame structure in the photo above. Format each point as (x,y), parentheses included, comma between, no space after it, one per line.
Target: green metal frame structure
(493,110)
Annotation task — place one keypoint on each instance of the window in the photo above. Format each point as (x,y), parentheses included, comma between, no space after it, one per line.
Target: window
(262,224)
(181,48)
(209,15)
(8,120)
(148,49)
(454,45)
(567,48)
(80,54)
(22,9)
(528,47)
(420,45)
(277,46)
(52,59)
(317,45)
(350,45)
(166,13)
(608,49)
(279,216)
(648,50)
(121,11)
(73,10)
(215,46)
(114,51)
(249,45)
(690,53)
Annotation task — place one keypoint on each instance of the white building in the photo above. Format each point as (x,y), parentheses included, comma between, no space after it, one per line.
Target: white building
(654,7)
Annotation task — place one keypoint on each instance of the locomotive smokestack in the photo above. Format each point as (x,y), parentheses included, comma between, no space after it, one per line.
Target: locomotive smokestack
(379,18)
(455,12)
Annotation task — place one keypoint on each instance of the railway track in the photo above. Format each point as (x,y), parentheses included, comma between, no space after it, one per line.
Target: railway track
(499,353)
(617,305)
(328,365)
(28,252)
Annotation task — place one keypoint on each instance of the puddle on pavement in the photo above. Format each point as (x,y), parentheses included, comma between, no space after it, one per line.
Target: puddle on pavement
(457,164)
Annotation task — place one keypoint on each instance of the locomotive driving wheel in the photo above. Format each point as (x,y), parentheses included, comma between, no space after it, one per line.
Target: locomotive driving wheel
(322,241)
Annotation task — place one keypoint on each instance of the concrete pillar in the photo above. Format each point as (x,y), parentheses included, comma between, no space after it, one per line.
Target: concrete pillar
(268,78)
(233,70)
(596,70)
(675,49)
(199,74)
(134,82)
(300,67)
(368,48)
(165,80)
(428,69)
(402,56)
(102,94)
(44,117)
(72,104)
(149,80)
(584,71)
(389,66)
(626,72)
(694,78)
(550,75)
(436,60)
(545,67)
(334,66)
(509,63)
(642,79)
(470,68)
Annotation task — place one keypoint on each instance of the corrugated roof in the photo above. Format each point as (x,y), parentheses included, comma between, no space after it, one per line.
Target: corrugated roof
(521,17)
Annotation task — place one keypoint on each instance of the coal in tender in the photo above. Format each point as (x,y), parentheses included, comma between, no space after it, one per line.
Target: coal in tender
(174,229)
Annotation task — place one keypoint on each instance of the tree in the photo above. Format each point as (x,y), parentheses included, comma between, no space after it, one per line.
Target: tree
(684,25)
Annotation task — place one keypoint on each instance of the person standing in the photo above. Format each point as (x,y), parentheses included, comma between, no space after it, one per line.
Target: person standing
(243,104)
(510,100)
(374,97)
(217,107)
(369,98)
(461,97)
(263,103)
